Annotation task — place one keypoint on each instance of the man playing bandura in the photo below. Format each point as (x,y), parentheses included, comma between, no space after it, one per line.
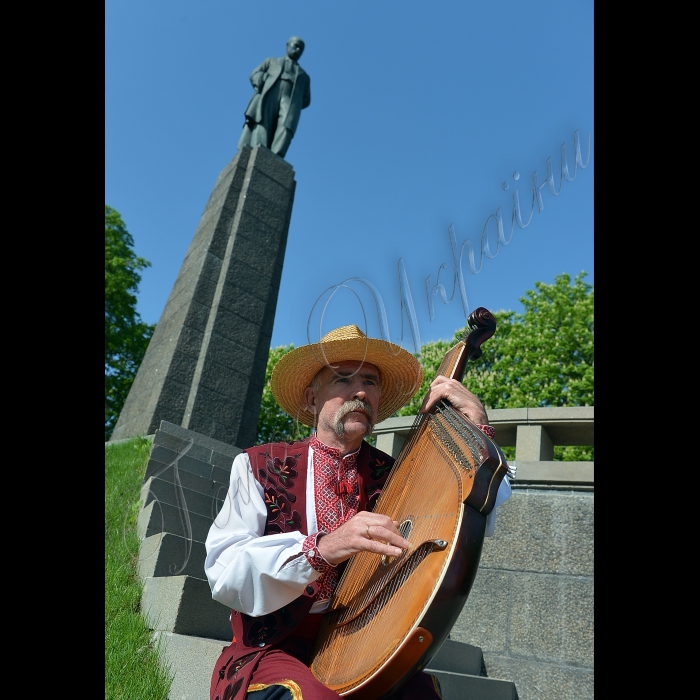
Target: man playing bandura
(296,512)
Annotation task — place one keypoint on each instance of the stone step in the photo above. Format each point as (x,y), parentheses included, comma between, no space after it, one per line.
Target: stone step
(191,661)
(460,686)
(162,461)
(183,605)
(208,486)
(193,501)
(159,517)
(459,657)
(166,554)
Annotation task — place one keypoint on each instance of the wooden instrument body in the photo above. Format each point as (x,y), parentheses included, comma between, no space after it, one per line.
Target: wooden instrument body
(389,616)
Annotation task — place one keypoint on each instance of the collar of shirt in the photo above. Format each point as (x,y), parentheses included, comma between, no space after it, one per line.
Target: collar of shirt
(333,452)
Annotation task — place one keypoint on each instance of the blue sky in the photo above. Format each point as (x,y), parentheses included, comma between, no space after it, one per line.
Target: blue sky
(420,111)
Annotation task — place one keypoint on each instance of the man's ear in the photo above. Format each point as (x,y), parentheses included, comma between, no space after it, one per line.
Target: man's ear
(310,400)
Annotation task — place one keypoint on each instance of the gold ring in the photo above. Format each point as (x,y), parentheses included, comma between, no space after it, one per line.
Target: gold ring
(369,537)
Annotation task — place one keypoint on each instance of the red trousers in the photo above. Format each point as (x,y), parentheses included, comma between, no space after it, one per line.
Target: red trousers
(283,673)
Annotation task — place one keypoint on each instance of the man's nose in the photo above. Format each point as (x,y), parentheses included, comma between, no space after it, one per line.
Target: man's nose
(359,392)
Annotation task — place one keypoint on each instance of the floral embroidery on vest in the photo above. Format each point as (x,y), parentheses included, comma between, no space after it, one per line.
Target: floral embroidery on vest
(274,477)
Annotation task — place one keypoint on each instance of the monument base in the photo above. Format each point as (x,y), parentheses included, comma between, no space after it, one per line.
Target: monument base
(205,365)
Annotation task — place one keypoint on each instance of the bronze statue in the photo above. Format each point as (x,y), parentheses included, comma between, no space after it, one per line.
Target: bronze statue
(282,90)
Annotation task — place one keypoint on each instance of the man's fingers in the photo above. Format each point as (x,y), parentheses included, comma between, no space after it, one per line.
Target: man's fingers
(380,547)
(382,534)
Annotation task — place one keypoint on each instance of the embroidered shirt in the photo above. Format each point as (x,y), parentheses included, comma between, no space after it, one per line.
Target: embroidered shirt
(337,496)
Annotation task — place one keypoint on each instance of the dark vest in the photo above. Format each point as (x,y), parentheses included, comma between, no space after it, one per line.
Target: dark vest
(281,470)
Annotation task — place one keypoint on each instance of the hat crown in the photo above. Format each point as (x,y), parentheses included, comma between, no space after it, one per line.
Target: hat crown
(351,332)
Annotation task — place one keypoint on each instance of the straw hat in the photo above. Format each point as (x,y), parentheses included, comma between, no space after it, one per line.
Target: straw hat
(400,373)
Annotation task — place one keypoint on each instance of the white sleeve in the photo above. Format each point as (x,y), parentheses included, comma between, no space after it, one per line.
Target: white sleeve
(246,571)
(504,491)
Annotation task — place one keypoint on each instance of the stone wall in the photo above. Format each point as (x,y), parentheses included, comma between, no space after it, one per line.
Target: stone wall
(531,605)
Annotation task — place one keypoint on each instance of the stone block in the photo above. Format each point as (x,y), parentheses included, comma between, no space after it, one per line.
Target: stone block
(238,300)
(232,431)
(183,605)
(572,474)
(210,406)
(165,469)
(172,412)
(223,379)
(231,354)
(458,686)
(458,657)
(204,291)
(181,368)
(542,681)
(166,554)
(187,447)
(197,316)
(211,266)
(199,439)
(222,462)
(174,394)
(552,618)
(237,329)
(391,443)
(487,630)
(225,223)
(256,284)
(192,482)
(502,415)
(262,185)
(167,491)
(191,660)
(220,475)
(264,210)
(165,460)
(273,166)
(159,517)
(249,249)
(545,532)
(560,413)
(533,444)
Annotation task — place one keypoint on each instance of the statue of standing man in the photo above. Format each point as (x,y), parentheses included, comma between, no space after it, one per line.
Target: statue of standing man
(282,90)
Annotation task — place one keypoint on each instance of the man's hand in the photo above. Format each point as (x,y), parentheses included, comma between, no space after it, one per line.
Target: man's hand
(458,395)
(364,532)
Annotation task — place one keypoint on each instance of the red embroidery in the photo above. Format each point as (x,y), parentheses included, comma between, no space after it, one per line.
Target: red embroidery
(488,430)
(313,555)
(337,496)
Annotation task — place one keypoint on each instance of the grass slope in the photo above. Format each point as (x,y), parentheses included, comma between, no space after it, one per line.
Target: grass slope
(133,669)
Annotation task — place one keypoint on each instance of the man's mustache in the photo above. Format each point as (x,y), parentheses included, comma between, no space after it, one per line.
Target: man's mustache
(355,405)
(348,407)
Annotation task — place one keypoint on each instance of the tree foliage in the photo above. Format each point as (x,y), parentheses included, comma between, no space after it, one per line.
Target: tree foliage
(541,357)
(274,425)
(126,335)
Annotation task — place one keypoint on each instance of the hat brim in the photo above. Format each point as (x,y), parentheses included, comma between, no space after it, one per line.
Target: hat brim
(400,372)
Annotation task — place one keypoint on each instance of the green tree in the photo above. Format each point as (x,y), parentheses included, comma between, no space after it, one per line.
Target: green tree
(542,357)
(126,335)
(274,425)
